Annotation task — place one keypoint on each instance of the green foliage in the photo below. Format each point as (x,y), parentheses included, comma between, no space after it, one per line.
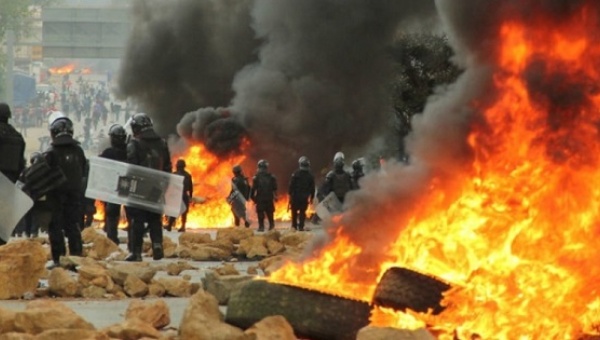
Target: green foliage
(423,62)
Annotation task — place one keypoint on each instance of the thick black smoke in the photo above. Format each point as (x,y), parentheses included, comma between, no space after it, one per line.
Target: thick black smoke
(183,54)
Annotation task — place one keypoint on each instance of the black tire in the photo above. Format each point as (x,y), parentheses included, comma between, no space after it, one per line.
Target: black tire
(401,289)
(312,314)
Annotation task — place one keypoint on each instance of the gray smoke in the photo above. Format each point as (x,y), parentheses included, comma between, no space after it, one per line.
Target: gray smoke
(183,54)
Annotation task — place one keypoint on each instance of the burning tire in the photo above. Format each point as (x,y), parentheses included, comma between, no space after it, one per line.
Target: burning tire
(401,288)
(314,315)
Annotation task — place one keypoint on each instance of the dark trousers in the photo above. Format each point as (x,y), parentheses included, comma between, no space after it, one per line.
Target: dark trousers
(172,220)
(265,209)
(112,215)
(139,218)
(66,221)
(299,214)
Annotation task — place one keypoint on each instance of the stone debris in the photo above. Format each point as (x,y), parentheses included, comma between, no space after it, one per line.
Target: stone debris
(273,327)
(14,258)
(154,313)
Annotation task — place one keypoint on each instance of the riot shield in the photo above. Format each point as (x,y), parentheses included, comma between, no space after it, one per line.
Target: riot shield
(329,206)
(14,204)
(135,186)
(238,204)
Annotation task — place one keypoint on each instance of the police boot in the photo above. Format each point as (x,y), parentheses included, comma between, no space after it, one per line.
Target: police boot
(134,257)
(157,251)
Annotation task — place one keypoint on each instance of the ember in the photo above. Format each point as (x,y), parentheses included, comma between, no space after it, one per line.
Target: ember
(516,233)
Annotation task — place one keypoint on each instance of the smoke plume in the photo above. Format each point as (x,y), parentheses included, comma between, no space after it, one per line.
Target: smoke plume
(183,55)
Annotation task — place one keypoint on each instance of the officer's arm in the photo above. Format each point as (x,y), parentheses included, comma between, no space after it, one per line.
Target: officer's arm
(292,185)
(253,189)
(167,166)
(132,153)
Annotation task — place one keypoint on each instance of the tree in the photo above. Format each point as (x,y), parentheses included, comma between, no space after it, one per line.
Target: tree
(423,62)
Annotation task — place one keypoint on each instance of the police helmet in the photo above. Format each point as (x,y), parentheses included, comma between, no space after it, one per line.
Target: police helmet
(263,164)
(237,169)
(140,122)
(61,126)
(180,164)
(117,134)
(304,162)
(5,111)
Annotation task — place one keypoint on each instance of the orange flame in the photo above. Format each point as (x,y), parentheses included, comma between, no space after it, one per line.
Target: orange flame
(66,69)
(520,241)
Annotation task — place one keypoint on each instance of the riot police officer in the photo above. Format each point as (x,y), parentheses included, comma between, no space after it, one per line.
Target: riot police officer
(66,155)
(146,149)
(301,191)
(12,146)
(116,152)
(264,194)
(357,172)
(239,183)
(338,180)
(188,189)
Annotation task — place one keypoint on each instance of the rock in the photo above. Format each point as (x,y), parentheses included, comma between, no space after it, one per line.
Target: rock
(222,286)
(175,268)
(274,235)
(227,269)
(62,284)
(169,248)
(141,270)
(252,270)
(69,334)
(76,261)
(385,333)
(14,256)
(7,321)
(175,286)
(135,287)
(255,247)
(294,238)
(102,247)
(132,329)
(208,253)
(234,235)
(95,275)
(271,264)
(93,292)
(274,247)
(273,327)
(203,320)
(155,313)
(183,252)
(43,315)
(156,289)
(223,244)
(190,239)
(88,235)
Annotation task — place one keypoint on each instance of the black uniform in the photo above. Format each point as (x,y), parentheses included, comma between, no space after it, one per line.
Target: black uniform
(240,183)
(301,191)
(149,150)
(338,181)
(263,194)
(112,211)
(188,191)
(357,174)
(65,154)
(12,149)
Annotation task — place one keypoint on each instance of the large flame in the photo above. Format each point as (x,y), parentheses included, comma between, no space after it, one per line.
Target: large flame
(520,241)
(61,70)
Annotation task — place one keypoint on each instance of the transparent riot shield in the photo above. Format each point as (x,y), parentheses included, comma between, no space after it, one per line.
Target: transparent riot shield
(135,186)
(14,204)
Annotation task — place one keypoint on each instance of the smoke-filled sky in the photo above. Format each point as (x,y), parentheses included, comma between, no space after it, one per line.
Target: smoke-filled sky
(299,77)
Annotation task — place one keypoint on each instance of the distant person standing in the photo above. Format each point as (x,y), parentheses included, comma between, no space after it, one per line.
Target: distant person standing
(301,191)
(264,195)
(357,173)
(338,180)
(188,193)
(239,183)
(12,146)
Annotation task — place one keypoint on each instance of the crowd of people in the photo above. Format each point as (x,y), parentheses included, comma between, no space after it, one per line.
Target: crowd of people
(56,180)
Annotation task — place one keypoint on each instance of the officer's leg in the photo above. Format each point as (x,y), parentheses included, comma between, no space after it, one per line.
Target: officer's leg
(260,213)
(136,235)
(294,216)
(55,231)
(270,215)
(156,234)
(302,215)
(111,221)
(72,226)
(184,215)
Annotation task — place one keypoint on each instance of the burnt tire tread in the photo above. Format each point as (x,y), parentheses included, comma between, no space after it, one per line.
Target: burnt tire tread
(314,315)
(402,288)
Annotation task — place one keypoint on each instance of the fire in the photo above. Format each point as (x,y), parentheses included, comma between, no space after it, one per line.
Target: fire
(519,241)
(66,69)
